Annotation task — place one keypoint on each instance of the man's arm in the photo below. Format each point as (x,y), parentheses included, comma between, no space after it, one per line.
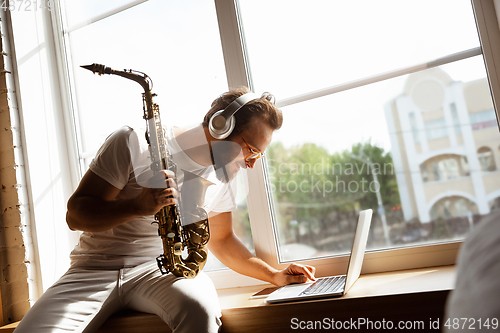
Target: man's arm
(94,207)
(226,246)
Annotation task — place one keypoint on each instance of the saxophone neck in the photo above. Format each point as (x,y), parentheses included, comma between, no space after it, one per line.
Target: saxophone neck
(130,74)
(154,134)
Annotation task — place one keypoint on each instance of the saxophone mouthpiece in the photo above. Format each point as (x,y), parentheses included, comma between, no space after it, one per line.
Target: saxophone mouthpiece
(98,68)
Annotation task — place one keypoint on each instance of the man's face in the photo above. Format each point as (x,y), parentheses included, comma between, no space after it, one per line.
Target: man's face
(229,156)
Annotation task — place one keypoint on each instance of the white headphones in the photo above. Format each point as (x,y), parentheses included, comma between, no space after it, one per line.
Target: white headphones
(222,122)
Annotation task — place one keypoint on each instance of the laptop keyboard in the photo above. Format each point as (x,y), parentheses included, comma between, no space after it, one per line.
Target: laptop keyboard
(324,285)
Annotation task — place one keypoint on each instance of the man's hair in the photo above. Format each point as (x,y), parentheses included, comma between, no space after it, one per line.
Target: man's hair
(262,110)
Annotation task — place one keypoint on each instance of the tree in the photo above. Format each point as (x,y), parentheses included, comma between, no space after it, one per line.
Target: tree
(315,192)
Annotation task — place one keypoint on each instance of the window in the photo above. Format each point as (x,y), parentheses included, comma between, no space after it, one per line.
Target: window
(486,159)
(445,168)
(414,127)
(454,216)
(483,119)
(448,169)
(456,120)
(363,109)
(435,129)
(424,172)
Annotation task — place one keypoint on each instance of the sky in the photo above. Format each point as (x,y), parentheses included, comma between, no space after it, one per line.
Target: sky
(298,48)
(294,47)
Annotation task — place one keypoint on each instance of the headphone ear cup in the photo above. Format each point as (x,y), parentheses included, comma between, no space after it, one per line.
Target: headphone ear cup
(222,122)
(220,127)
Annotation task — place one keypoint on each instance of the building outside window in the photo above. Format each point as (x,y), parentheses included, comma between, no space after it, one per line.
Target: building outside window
(450,158)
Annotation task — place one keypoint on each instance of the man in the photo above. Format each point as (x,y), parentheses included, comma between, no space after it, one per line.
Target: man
(113,266)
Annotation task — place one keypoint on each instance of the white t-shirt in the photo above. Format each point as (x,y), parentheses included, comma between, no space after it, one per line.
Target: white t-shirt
(124,162)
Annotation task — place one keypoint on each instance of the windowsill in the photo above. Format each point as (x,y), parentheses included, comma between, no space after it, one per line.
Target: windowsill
(416,294)
(370,285)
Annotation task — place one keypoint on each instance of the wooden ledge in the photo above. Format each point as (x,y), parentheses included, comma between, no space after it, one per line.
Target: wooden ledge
(369,285)
(417,295)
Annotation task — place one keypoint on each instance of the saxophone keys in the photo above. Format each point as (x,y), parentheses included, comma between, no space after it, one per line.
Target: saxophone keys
(189,274)
(199,257)
(177,249)
(195,238)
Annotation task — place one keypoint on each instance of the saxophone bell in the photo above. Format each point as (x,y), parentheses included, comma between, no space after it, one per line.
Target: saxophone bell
(193,193)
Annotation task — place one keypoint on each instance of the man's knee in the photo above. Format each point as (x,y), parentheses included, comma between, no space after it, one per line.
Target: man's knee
(199,315)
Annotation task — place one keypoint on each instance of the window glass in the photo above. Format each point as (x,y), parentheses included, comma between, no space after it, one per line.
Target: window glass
(404,147)
(486,159)
(356,149)
(161,39)
(296,46)
(82,12)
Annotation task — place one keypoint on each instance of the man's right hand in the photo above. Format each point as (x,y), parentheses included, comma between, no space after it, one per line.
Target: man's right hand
(160,191)
(95,205)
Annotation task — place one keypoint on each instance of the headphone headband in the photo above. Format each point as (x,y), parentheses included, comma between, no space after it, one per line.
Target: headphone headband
(222,122)
(238,103)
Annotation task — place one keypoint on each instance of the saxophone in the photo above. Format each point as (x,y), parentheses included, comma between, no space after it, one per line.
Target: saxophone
(193,234)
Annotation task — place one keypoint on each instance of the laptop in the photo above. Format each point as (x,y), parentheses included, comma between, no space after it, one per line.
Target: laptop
(331,286)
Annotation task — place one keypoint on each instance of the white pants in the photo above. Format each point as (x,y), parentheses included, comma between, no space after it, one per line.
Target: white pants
(83,299)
